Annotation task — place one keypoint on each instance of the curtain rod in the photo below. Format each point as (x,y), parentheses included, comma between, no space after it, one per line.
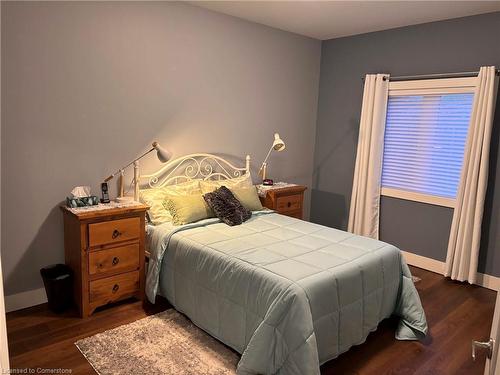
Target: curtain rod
(434,76)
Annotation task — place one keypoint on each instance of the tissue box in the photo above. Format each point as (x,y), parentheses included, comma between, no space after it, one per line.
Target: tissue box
(80,192)
(82,202)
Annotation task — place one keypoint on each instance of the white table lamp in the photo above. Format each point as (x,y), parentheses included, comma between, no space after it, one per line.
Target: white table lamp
(278,145)
(163,155)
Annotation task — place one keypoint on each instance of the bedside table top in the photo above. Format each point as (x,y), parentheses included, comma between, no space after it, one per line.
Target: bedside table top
(262,190)
(104,209)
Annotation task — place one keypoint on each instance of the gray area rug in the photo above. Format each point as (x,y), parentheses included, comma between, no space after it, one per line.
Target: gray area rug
(165,343)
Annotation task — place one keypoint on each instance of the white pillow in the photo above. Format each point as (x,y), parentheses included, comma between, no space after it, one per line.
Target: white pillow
(245,181)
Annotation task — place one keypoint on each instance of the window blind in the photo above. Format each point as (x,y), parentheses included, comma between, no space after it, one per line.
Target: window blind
(424,142)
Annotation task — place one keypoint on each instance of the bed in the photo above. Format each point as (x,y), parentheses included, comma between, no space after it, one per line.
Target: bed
(286,294)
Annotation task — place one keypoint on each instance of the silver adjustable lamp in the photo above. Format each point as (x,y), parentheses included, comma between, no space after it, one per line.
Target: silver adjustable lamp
(278,145)
(163,155)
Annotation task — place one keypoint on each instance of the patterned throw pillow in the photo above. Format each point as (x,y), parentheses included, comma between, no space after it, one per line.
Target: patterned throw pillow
(226,207)
(155,197)
(187,209)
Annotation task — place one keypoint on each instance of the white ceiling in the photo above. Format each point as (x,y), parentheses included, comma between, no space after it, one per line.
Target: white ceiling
(333,19)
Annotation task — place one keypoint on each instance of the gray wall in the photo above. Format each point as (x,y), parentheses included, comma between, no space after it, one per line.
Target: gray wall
(448,46)
(87,86)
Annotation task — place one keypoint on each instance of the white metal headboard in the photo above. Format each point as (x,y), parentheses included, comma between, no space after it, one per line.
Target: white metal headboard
(190,167)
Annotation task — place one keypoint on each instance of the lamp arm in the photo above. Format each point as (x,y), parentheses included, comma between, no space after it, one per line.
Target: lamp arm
(129,164)
(267,157)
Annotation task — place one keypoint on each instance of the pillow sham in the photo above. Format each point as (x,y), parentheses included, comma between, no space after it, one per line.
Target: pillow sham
(248,197)
(154,198)
(226,207)
(187,208)
(207,186)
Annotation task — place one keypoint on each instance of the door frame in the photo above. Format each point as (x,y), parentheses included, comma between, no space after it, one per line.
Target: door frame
(493,365)
(4,349)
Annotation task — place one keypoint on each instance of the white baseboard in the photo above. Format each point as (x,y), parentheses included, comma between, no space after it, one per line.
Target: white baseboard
(488,281)
(25,299)
(429,264)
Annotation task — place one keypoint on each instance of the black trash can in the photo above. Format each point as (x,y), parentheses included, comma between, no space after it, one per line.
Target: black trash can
(58,282)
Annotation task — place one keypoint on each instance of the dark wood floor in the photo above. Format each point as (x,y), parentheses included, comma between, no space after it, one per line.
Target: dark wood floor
(457,313)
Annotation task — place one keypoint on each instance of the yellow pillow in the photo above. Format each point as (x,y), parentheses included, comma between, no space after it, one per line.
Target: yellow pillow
(187,208)
(248,197)
(154,199)
(207,186)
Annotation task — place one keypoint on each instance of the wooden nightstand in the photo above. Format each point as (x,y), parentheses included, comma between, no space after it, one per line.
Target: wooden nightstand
(285,200)
(105,250)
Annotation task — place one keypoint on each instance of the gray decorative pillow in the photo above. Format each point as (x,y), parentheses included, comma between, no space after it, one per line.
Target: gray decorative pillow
(226,207)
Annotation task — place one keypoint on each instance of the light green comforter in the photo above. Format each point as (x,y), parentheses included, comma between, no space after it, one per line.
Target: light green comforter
(287,294)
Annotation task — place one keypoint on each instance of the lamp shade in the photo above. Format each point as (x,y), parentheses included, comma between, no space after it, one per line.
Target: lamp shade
(278,144)
(163,154)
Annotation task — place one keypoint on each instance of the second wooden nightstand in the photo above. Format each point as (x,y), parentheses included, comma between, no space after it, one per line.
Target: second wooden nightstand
(287,200)
(105,250)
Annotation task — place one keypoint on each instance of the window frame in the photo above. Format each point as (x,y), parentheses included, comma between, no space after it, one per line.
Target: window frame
(438,86)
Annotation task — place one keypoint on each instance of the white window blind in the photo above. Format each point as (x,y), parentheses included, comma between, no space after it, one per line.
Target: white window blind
(424,142)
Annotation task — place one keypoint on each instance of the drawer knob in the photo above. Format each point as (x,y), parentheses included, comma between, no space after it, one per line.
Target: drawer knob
(289,204)
(115,261)
(116,234)
(115,288)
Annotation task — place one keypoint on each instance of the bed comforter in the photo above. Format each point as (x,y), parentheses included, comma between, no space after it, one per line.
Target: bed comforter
(287,294)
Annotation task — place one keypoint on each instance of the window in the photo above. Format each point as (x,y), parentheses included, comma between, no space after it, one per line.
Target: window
(425,136)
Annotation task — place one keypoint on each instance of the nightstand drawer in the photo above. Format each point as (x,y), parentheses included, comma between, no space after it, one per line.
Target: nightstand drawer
(295,214)
(109,232)
(112,288)
(124,258)
(289,203)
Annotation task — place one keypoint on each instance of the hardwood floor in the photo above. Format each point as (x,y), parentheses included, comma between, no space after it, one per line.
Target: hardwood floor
(457,313)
